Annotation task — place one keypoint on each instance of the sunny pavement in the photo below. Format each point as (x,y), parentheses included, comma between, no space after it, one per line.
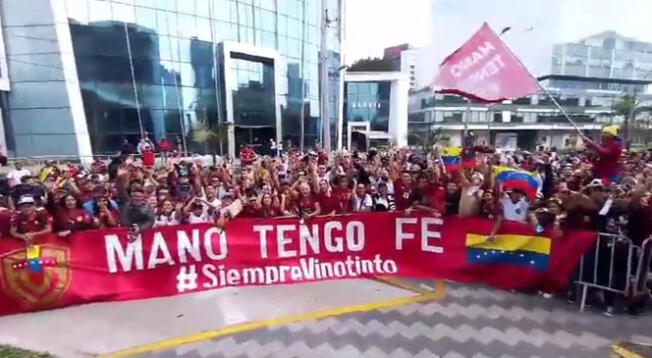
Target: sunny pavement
(100,328)
(471,321)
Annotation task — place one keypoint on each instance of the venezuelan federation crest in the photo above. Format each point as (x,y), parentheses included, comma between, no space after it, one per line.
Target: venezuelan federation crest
(40,287)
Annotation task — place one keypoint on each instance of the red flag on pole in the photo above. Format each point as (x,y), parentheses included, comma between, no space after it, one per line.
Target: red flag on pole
(484,69)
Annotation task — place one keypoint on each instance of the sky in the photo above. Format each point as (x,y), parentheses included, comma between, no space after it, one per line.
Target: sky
(439,27)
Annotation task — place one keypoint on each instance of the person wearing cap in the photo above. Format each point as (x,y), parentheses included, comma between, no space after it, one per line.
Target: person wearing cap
(512,206)
(471,194)
(606,165)
(195,213)
(29,222)
(247,155)
(584,207)
(50,169)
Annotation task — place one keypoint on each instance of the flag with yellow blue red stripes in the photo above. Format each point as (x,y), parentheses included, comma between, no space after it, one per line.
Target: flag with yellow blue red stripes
(520,250)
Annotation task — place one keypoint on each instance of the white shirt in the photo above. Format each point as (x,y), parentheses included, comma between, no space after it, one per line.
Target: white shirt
(514,211)
(216,203)
(201,219)
(390,186)
(15,175)
(165,220)
(361,203)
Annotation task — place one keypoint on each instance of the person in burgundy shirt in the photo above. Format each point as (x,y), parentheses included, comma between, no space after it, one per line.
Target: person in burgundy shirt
(268,208)
(606,165)
(148,157)
(307,204)
(5,216)
(403,190)
(341,196)
(250,207)
(30,222)
(325,197)
(71,217)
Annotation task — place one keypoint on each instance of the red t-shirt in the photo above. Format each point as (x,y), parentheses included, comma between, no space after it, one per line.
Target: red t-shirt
(607,162)
(268,212)
(341,200)
(438,198)
(104,221)
(25,224)
(249,211)
(77,219)
(402,194)
(306,204)
(326,202)
(148,158)
(5,221)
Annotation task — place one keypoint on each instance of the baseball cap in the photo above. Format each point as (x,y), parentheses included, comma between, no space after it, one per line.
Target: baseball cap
(596,183)
(25,199)
(477,175)
(612,130)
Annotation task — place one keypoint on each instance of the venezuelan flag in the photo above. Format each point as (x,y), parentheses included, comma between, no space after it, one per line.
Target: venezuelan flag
(511,178)
(451,158)
(510,249)
(33,254)
(469,163)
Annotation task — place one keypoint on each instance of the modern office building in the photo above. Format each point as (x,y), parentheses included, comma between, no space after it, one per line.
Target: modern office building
(404,58)
(588,79)
(375,110)
(4,88)
(531,120)
(86,74)
(604,55)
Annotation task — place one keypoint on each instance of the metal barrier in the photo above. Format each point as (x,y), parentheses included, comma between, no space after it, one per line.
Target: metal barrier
(615,266)
(644,268)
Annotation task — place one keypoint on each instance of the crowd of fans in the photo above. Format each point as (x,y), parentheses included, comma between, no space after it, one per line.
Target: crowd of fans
(601,187)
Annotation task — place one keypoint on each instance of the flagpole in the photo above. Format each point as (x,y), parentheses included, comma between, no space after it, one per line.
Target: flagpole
(563,111)
(465,119)
(490,118)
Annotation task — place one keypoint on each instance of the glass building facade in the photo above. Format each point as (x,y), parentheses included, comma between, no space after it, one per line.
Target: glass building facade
(367,102)
(155,67)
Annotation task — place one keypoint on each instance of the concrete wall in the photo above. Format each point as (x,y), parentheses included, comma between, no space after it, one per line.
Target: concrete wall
(45,108)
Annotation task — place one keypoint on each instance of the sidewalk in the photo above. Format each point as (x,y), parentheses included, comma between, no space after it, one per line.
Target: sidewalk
(101,328)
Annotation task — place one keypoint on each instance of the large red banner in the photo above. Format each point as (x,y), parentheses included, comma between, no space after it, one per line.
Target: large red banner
(103,265)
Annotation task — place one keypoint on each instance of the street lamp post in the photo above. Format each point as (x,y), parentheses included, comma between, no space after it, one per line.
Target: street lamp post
(325,78)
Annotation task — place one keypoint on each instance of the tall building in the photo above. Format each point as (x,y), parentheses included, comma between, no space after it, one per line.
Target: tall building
(604,55)
(404,59)
(86,74)
(588,79)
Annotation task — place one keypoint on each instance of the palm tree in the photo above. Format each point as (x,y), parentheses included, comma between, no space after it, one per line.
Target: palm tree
(429,137)
(629,106)
(216,133)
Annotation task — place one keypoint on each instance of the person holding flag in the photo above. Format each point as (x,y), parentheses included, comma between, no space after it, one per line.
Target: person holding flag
(606,165)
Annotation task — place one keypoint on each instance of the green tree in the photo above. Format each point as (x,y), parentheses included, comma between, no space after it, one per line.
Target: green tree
(428,137)
(370,64)
(629,106)
(212,135)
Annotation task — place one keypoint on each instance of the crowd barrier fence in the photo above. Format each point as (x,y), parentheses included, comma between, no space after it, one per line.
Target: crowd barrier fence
(615,266)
